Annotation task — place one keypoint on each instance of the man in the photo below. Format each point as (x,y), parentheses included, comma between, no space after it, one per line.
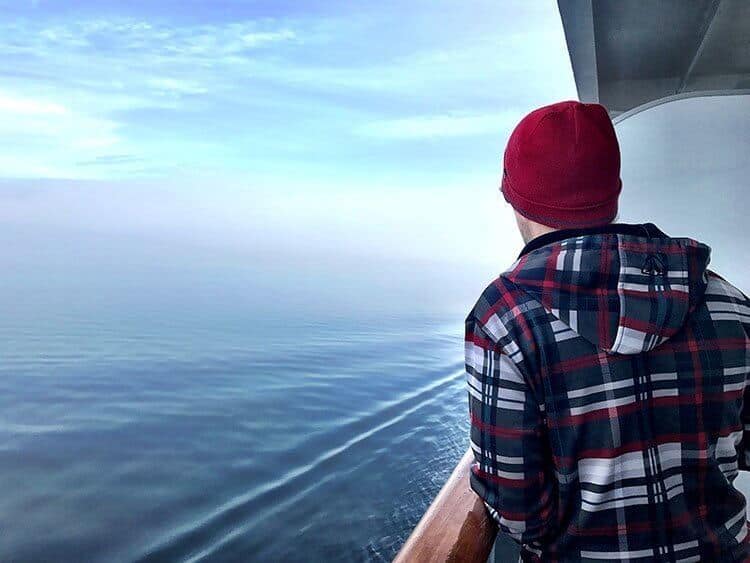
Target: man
(606,368)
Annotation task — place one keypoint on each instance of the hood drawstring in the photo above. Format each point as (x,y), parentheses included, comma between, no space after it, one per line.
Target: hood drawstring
(654,264)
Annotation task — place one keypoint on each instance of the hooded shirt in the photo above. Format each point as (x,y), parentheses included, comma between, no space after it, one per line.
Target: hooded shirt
(606,371)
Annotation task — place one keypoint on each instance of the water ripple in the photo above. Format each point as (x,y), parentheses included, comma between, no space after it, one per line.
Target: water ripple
(236,517)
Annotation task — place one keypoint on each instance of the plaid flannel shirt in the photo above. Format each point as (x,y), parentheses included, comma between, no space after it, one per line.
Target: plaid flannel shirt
(606,371)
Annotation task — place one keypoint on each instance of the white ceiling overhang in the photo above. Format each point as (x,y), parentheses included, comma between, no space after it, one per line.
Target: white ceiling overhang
(634,54)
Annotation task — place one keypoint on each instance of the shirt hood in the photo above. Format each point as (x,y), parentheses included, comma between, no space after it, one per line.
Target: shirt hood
(624,288)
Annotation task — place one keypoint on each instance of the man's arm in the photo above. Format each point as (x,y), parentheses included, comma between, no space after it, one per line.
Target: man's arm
(743,455)
(512,470)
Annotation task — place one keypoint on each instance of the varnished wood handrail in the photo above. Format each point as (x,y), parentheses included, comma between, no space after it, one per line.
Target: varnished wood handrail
(456,526)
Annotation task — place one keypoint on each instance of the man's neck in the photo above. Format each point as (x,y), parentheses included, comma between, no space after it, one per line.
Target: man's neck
(530,231)
(648,230)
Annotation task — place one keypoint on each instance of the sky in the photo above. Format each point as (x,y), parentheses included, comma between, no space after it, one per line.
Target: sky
(326,136)
(328,91)
(352,127)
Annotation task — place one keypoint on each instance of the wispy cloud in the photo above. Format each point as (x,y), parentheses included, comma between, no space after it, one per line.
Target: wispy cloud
(110,159)
(256,96)
(176,86)
(82,79)
(43,136)
(11,104)
(435,126)
(128,34)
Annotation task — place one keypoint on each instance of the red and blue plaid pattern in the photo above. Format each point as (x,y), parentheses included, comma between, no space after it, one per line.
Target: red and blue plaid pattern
(606,374)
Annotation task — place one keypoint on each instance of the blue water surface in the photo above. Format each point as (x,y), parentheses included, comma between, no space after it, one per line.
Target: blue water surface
(154,411)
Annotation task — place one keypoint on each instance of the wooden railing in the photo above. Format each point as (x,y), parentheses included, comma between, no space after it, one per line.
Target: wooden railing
(456,527)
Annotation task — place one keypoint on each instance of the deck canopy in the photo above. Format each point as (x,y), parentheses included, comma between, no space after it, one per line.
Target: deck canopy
(633,54)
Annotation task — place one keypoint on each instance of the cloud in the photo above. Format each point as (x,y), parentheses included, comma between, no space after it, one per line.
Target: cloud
(121,34)
(176,86)
(259,38)
(110,159)
(42,135)
(432,126)
(200,91)
(15,105)
(84,79)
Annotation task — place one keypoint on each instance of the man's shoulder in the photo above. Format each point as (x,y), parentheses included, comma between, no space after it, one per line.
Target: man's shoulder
(501,302)
(503,318)
(724,302)
(718,287)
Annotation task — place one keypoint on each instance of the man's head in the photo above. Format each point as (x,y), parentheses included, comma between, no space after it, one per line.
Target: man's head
(562,169)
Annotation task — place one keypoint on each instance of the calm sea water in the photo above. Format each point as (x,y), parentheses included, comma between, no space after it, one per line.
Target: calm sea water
(167,413)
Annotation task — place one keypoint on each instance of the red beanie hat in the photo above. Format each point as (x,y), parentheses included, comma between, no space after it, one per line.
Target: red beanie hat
(562,166)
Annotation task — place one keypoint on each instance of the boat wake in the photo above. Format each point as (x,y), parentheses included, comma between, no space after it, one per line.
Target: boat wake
(210,535)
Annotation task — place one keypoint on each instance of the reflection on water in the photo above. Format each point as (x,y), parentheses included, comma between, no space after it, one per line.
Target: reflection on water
(184,429)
